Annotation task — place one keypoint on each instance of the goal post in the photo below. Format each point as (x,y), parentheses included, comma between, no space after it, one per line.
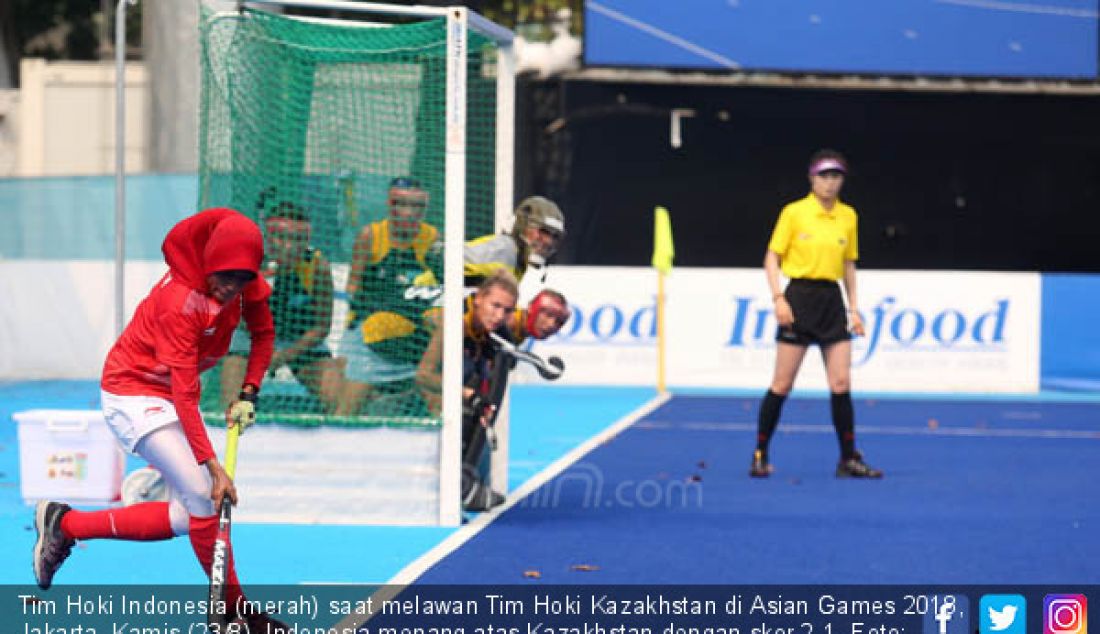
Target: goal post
(310,125)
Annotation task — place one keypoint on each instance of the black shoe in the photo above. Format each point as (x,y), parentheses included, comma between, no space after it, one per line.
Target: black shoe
(52,548)
(855,467)
(481,498)
(760,468)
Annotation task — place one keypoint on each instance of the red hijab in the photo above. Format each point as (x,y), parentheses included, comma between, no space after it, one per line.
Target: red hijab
(218,239)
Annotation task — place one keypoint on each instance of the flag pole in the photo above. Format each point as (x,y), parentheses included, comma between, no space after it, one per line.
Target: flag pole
(663,253)
(661,332)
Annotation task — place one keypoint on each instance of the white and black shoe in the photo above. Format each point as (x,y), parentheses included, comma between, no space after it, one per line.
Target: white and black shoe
(855,467)
(52,548)
(476,496)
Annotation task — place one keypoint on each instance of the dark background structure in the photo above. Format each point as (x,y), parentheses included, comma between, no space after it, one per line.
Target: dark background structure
(959,178)
(942,180)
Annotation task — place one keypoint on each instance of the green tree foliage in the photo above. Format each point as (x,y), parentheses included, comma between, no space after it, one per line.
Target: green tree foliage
(63,29)
(513,13)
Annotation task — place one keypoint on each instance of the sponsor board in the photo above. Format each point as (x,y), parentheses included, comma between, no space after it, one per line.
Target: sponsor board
(925,331)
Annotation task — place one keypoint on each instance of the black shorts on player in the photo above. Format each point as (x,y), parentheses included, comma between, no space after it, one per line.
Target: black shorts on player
(820,315)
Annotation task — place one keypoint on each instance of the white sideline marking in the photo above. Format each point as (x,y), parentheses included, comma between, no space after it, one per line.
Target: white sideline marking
(973,432)
(675,40)
(412,572)
(1023,7)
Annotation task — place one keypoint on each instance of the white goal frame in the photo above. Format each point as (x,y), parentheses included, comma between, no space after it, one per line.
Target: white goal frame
(460,21)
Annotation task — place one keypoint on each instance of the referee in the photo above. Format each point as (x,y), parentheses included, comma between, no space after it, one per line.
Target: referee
(815,243)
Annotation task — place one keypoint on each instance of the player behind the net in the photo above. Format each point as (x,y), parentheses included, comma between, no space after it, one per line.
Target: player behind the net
(301,305)
(392,291)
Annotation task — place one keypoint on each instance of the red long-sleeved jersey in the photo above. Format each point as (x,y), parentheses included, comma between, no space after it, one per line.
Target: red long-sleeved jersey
(179,330)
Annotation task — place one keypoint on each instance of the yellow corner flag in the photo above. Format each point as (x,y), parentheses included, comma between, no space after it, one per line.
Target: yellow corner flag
(663,251)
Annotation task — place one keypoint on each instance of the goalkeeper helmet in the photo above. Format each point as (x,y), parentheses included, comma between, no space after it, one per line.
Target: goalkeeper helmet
(539,226)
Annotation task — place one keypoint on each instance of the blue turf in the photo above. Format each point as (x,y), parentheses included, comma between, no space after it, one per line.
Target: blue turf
(548,422)
(347,554)
(952,509)
(1029,413)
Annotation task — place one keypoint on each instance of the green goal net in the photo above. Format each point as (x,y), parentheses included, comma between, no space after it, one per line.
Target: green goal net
(333,136)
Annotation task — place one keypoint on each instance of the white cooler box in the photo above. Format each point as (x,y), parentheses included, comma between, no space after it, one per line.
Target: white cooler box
(69,456)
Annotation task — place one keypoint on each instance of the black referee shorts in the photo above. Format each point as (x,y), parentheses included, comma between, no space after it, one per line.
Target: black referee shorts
(819,314)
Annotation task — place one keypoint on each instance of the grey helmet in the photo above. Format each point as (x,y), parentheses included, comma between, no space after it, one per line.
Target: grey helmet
(540,212)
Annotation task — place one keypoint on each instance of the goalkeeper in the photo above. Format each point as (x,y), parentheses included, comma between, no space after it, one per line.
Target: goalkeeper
(536,234)
(392,291)
(150,394)
(301,306)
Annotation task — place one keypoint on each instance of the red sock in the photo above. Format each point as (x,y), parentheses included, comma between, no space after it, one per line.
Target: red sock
(203,532)
(145,522)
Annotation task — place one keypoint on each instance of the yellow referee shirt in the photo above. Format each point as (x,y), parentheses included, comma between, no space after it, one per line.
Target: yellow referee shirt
(813,243)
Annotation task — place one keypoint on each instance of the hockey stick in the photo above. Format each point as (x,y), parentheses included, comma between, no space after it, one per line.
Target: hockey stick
(218,612)
(550,369)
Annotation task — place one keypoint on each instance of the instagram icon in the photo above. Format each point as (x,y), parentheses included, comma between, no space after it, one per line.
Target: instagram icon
(1065,614)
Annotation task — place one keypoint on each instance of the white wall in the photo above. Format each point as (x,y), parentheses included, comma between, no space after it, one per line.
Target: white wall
(57,321)
(67,118)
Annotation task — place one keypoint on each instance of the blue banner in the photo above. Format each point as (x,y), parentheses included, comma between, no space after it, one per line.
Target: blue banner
(1071,340)
(73,218)
(997,38)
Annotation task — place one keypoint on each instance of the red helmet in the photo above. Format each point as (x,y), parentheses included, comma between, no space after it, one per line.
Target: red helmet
(549,302)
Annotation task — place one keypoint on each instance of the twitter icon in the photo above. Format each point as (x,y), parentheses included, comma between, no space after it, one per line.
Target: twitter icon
(1003,614)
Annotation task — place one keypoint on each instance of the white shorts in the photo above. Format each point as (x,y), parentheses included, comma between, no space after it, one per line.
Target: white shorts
(132,418)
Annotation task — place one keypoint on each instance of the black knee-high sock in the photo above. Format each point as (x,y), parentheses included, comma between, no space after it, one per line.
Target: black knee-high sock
(768,419)
(844,422)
